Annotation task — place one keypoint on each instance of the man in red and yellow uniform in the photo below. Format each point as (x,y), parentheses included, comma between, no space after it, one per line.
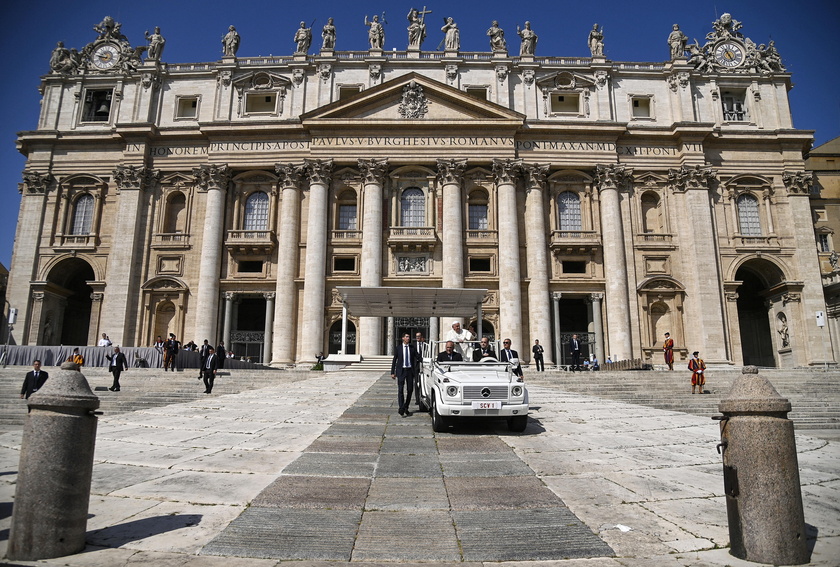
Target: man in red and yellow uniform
(697,367)
(668,348)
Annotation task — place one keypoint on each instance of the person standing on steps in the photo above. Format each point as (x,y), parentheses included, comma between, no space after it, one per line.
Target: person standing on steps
(403,369)
(208,370)
(668,348)
(698,369)
(117,363)
(34,379)
(538,351)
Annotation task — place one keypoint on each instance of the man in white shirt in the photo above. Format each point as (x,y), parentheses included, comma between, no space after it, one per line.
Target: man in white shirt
(104,341)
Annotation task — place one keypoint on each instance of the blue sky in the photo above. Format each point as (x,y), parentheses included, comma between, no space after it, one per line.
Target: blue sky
(804,33)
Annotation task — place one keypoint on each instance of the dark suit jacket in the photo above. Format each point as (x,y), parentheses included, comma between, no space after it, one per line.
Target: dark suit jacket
(538,351)
(117,362)
(513,354)
(203,351)
(211,364)
(397,364)
(30,385)
(572,345)
(477,354)
(444,357)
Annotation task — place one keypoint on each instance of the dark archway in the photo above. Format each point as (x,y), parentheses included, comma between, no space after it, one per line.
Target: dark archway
(758,277)
(69,280)
(335,337)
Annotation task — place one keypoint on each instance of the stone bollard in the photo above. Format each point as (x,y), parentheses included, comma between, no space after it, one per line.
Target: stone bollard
(761,474)
(49,518)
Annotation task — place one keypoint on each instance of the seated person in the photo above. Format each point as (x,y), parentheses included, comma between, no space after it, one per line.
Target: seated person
(484,351)
(450,354)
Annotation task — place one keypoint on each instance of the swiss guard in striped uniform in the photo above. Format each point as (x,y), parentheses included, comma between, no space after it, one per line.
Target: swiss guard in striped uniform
(668,348)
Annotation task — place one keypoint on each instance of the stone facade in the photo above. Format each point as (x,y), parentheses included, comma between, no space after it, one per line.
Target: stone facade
(616,200)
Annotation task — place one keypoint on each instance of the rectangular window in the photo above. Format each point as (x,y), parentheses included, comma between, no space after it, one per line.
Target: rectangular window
(565,103)
(823,243)
(344,264)
(478,92)
(734,107)
(480,265)
(187,107)
(347,217)
(250,267)
(478,217)
(345,91)
(256,103)
(641,107)
(97,106)
(570,267)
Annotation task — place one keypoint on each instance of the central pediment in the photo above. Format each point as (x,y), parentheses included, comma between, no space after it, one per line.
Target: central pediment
(412,101)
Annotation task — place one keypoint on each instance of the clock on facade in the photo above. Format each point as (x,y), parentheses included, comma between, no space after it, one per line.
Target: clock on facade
(729,54)
(105,56)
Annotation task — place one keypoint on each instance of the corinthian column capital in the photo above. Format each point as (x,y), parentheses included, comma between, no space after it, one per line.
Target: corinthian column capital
(128,177)
(536,175)
(373,170)
(507,170)
(612,176)
(798,182)
(688,177)
(37,183)
(212,176)
(289,175)
(319,170)
(451,171)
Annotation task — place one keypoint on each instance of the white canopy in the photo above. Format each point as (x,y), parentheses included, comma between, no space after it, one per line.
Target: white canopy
(411,301)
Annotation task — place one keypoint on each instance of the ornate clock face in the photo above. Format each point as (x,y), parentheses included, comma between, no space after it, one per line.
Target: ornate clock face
(105,56)
(729,54)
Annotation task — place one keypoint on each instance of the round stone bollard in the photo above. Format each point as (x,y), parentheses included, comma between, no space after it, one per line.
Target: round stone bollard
(49,518)
(761,474)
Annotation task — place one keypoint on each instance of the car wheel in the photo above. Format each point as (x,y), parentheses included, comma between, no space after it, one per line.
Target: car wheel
(438,424)
(518,423)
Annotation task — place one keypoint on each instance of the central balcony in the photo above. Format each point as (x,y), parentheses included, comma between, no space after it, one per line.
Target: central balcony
(574,241)
(251,242)
(417,238)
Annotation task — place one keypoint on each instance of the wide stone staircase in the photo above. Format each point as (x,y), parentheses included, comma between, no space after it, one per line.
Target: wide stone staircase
(141,388)
(813,392)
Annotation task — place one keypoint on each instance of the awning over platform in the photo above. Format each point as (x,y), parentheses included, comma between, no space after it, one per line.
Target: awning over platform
(411,301)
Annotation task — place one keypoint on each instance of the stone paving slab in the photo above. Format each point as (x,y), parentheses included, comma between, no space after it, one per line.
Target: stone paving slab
(415,426)
(483,445)
(499,493)
(407,494)
(287,534)
(200,488)
(333,464)
(357,445)
(314,492)
(408,466)
(497,464)
(410,445)
(530,534)
(355,430)
(425,535)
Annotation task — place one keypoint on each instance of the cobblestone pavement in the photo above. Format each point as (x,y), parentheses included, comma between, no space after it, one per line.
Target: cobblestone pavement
(324,471)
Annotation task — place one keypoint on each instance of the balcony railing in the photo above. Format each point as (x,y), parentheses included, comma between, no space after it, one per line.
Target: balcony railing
(417,237)
(756,241)
(483,236)
(250,241)
(655,237)
(347,235)
(170,240)
(77,240)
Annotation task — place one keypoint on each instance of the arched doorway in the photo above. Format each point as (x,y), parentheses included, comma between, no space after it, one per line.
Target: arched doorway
(67,303)
(758,278)
(165,319)
(335,337)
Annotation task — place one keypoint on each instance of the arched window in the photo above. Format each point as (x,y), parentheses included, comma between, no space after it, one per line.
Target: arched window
(748,219)
(568,211)
(256,211)
(83,215)
(478,211)
(176,211)
(413,208)
(651,217)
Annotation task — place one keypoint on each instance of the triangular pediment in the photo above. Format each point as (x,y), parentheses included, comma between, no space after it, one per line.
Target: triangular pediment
(413,100)
(565,80)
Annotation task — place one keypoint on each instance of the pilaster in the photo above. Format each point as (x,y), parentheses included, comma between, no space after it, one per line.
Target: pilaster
(506,173)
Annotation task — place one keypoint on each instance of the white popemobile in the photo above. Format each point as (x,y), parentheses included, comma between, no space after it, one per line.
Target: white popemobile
(466,389)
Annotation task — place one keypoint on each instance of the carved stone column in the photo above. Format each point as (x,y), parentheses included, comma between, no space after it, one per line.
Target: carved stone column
(450,176)
(611,179)
(230,298)
(37,315)
(703,302)
(558,344)
(213,181)
(312,335)
(369,333)
(539,314)
(268,335)
(510,298)
(596,299)
(24,268)
(95,311)
(288,235)
(123,277)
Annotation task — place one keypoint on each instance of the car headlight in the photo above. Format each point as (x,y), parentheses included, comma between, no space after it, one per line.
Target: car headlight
(516,391)
(452,391)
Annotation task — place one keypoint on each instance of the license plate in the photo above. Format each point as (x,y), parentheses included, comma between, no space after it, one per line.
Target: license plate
(487,405)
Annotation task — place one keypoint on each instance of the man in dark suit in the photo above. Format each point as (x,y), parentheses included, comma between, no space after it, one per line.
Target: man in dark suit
(484,351)
(34,379)
(538,351)
(202,354)
(208,370)
(116,364)
(509,354)
(403,369)
(450,354)
(221,354)
(574,348)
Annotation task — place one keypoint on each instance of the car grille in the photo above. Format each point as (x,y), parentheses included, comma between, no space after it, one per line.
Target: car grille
(495,393)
